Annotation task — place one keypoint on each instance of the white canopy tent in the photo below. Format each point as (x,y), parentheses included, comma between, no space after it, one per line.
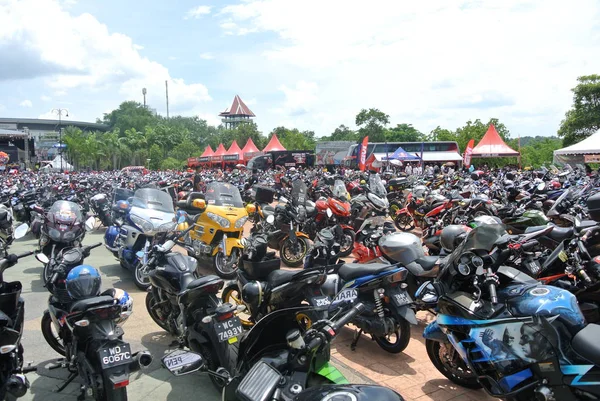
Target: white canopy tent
(588,149)
(56,164)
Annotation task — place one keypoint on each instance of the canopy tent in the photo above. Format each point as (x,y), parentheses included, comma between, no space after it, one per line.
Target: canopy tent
(446,156)
(576,153)
(219,153)
(401,154)
(234,153)
(492,145)
(56,164)
(273,145)
(207,152)
(250,150)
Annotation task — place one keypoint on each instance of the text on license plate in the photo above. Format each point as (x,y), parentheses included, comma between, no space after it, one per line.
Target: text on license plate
(115,356)
(228,329)
(402,298)
(347,294)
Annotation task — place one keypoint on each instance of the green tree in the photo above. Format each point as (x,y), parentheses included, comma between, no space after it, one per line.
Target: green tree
(403,133)
(583,119)
(171,163)
(293,139)
(129,115)
(441,134)
(156,157)
(342,133)
(372,122)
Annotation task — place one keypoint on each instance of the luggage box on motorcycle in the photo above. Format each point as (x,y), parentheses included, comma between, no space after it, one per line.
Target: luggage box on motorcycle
(398,183)
(9,298)
(593,204)
(264,194)
(262,269)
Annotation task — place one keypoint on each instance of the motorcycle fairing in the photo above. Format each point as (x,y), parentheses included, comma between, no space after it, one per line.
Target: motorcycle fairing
(332,374)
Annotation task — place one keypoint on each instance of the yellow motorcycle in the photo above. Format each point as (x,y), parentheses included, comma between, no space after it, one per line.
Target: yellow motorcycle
(219,228)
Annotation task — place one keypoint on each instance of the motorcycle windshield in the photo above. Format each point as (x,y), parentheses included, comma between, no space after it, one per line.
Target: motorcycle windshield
(154,199)
(339,190)
(223,194)
(483,238)
(553,210)
(66,211)
(376,186)
(299,193)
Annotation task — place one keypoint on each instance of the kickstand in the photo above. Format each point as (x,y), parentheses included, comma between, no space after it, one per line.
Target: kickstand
(65,384)
(357,334)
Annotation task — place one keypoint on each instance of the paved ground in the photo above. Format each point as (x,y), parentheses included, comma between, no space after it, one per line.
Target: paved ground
(410,373)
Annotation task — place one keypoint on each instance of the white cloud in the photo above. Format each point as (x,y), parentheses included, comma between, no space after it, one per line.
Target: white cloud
(210,118)
(197,12)
(172,58)
(26,103)
(83,56)
(138,47)
(45,98)
(207,56)
(428,63)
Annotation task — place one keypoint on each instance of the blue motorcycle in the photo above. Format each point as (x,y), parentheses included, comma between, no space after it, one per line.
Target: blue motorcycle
(499,329)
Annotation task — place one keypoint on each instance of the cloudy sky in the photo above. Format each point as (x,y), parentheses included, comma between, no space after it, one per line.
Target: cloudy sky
(310,64)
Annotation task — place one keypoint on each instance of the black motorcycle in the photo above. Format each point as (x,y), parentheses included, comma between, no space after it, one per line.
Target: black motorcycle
(278,360)
(261,286)
(13,382)
(83,325)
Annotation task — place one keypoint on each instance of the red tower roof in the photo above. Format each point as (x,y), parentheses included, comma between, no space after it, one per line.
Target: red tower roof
(220,150)
(207,152)
(238,108)
(250,147)
(273,145)
(492,145)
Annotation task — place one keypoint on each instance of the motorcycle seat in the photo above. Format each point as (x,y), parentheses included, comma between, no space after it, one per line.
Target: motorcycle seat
(88,303)
(557,233)
(267,209)
(585,343)
(585,224)
(199,282)
(5,320)
(351,271)
(278,277)
(428,262)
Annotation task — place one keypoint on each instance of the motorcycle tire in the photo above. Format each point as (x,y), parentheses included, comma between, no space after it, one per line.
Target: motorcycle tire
(53,341)
(218,266)
(212,361)
(404,222)
(109,393)
(151,308)
(231,294)
(464,380)
(138,280)
(287,244)
(349,236)
(402,339)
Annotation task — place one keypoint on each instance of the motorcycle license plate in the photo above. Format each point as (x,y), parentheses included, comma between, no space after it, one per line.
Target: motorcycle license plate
(115,356)
(320,301)
(400,298)
(348,294)
(229,329)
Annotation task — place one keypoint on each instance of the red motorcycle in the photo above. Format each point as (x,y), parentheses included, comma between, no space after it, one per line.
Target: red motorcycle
(417,213)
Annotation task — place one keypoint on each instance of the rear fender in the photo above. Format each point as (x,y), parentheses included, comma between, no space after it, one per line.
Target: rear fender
(301,234)
(345,226)
(407,313)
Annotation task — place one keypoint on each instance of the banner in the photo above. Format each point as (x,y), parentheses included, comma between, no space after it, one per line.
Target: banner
(362,157)
(468,153)
(591,158)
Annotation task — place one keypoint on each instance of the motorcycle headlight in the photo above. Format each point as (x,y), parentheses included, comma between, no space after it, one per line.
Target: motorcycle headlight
(69,236)
(222,221)
(54,234)
(43,240)
(144,224)
(241,221)
(166,227)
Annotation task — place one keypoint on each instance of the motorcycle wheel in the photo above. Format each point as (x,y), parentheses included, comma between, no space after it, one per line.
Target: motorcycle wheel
(109,393)
(401,335)
(290,258)
(347,243)
(394,207)
(142,282)
(212,361)
(449,363)
(52,338)
(231,294)
(404,222)
(226,267)
(151,308)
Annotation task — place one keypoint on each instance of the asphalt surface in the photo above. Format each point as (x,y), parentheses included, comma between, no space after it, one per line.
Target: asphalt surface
(153,383)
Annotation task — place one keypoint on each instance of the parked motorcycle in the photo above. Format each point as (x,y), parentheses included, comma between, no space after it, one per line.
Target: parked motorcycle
(102,209)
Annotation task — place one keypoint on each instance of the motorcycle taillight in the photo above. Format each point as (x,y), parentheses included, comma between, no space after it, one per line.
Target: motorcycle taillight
(107,313)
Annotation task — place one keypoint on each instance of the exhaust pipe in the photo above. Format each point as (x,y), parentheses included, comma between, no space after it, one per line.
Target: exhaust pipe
(141,360)
(17,385)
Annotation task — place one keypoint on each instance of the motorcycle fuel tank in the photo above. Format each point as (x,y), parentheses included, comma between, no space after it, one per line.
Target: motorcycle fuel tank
(110,236)
(401,247)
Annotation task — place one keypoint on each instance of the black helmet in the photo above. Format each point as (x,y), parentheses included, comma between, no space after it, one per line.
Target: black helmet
(510,176)
(452,236)
(252,293)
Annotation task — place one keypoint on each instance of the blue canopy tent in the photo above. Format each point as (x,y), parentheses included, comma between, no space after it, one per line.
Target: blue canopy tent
(401,154)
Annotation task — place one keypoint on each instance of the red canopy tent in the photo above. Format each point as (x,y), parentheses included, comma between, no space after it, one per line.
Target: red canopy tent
(234,154)
(273,145)
(250,150)
(207,152)
(492,145)
(219,153)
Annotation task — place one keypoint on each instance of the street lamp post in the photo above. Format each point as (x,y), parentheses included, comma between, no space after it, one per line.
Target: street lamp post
(60,113)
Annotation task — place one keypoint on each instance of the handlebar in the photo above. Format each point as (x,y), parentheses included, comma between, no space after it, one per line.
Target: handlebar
(352,313)
(492,288)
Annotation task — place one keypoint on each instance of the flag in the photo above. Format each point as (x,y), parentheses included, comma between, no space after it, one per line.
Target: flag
(468,153)
(362,155)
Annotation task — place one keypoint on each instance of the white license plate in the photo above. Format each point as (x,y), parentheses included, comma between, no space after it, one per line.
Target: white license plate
(321,301)
(229,329)
(348,294)
(402,298)
(115,356)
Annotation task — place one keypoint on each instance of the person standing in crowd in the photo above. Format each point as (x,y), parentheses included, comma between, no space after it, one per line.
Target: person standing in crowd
(198,179)
(408,170)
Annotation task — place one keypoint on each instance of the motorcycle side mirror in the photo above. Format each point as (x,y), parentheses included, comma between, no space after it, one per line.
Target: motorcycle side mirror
(426,293)
(541,186)
(21,231)
(42,258)
(329,212)
(90,223)
(181,219)
(181,362)
(140,254)
(270,219)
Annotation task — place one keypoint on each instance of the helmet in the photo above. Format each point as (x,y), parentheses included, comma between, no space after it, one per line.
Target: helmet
(123,299)
(452,236)
(510,176)
(555,184)
(83,282)
(252,293)
(481,220)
